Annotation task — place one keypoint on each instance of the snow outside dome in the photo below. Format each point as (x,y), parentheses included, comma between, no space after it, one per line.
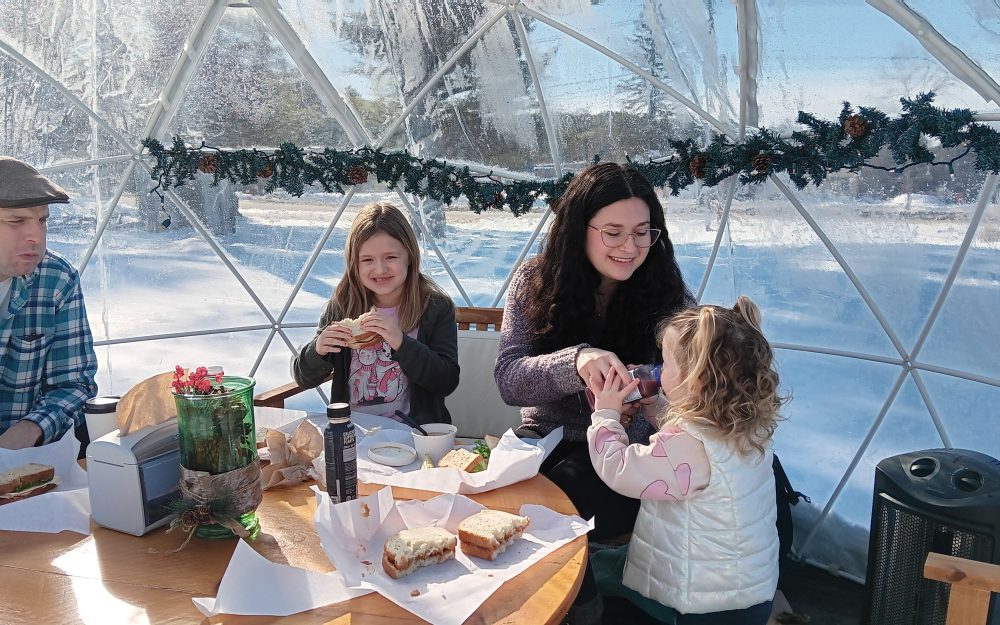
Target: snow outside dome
(878,289)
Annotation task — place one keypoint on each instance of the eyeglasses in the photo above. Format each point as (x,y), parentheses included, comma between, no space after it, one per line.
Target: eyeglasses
(612,237)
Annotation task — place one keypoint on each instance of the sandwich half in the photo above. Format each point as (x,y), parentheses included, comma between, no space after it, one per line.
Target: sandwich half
(25,477)
(487,533)
(410,549)
(464,460)
(360,337)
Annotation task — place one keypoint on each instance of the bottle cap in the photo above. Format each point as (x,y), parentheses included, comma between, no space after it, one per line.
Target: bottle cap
(102,405)
(338,410)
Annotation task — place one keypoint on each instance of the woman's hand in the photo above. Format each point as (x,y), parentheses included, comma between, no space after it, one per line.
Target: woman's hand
(611,394)
(384,325)
(598,364)
(332,339)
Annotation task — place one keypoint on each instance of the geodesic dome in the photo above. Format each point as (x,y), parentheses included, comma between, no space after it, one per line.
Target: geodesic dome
(877,288)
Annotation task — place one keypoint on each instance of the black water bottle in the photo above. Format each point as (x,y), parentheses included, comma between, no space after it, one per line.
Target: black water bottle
(339,390)
(341,453)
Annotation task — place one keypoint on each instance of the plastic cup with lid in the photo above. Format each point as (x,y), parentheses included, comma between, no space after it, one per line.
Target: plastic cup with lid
(101,414)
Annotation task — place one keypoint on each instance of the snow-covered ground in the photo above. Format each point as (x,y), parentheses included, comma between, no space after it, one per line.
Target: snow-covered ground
(167,284)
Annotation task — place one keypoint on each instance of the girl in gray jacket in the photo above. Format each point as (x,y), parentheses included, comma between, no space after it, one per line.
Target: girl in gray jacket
(413,365)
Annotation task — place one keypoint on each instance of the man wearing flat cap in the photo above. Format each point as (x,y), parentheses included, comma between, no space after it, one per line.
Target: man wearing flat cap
(47,359)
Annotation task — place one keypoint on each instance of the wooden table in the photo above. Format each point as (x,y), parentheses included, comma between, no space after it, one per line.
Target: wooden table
(110,578)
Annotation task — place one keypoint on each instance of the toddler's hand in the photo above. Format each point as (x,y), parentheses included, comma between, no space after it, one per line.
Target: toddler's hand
(611,394)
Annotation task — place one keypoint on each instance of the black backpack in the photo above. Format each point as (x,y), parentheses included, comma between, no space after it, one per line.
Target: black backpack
(785,497)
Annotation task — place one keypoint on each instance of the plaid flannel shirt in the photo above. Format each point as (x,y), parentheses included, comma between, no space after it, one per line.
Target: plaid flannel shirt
(47,359)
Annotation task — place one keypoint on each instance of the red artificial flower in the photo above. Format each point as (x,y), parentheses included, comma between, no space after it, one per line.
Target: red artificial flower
(196,382)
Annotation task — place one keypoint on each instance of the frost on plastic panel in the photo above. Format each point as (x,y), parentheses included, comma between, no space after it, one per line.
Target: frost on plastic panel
(484,110)
(122,77)
(815,55)
(345,41)
(248,92)
(135,55)
(598,106)
(40,125)
(774,256)
(973,26)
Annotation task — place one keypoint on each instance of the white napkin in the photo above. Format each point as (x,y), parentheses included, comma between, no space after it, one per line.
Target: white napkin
(512,461)
(255,585)
(353,533)
(67,507)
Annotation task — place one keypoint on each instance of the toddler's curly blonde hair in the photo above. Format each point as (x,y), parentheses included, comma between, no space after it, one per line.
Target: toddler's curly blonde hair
(728,367)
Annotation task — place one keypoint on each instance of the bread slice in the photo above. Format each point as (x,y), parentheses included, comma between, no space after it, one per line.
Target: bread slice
(404,552)
(487,533)
(25,476)
(464,460)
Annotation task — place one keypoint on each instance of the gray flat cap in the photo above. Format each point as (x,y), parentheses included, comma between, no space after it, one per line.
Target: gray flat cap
(21,185)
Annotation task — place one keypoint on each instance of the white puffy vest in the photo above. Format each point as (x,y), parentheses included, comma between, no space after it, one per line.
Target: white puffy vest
(717,550)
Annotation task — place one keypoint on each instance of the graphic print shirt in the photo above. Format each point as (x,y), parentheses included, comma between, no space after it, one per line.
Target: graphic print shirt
(377,383)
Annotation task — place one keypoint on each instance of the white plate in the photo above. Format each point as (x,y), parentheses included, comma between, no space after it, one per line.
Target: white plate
(392,454)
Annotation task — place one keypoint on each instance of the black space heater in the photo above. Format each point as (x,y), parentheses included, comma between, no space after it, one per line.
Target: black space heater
(941,500)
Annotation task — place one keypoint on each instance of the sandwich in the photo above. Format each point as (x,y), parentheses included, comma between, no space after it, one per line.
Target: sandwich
(464,460)
(26,480)
(488,532)
(410,549)
(360,337)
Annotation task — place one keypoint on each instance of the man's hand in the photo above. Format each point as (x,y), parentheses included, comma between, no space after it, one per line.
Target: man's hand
(22,434)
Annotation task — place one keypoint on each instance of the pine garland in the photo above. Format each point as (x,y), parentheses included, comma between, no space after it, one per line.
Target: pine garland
(809,155)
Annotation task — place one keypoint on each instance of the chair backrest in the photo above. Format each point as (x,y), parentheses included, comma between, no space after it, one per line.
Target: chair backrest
(475,406)
(480,319)
(971,585)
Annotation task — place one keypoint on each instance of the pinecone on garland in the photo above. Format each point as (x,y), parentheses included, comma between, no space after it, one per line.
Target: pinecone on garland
(697,165)
(856,126)
(267,171)
(208,163)
(357,174)
(761,162)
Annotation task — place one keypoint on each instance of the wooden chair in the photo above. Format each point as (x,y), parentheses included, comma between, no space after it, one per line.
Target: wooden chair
(467,318)
(971,585)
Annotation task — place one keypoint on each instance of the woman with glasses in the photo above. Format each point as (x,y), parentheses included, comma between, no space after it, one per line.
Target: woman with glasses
(586,305)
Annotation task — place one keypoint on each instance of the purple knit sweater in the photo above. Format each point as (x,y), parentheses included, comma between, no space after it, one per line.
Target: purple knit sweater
(547,386)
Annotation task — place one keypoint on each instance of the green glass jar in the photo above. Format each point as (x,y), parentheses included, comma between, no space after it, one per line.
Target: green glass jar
(217,435)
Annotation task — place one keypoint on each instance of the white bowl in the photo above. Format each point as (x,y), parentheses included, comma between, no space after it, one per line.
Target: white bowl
(392,454)
(439,441)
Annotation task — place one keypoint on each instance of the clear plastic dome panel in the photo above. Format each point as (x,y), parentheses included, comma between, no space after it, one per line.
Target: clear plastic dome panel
(971,25)
(862,56)
(773,255)
(965,336)
(248,92)
(833,407)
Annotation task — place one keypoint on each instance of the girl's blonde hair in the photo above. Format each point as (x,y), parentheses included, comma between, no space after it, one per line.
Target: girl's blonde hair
(351,295)
(728,367)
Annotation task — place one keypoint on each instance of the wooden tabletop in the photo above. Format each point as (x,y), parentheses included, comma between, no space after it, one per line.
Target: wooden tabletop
(111,577)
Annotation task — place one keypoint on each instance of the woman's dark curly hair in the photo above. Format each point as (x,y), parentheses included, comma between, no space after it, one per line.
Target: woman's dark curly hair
(562,296)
